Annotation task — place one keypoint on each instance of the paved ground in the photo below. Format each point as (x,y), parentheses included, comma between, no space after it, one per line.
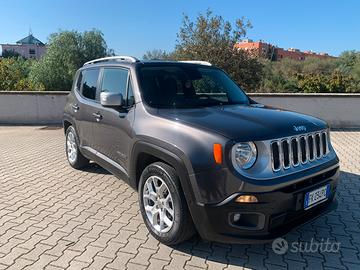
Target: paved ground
(54,217)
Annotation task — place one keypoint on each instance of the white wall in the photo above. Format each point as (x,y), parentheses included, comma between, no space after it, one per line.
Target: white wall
(31,107)
(339,110)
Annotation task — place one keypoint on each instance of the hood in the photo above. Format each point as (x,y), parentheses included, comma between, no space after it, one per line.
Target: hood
(245,123)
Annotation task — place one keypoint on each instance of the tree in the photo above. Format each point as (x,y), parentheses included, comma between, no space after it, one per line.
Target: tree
(156,54)
(341,83)
(311,75)
(211,38)
(349,64)
(67,51)
(348,59)
(14,75)
(10,54)
(275,79)
(313,83)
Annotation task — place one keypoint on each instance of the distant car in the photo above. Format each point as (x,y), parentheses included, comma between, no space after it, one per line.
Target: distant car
(203,156)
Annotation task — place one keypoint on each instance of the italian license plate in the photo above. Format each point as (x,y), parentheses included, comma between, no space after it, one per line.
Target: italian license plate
(316,196)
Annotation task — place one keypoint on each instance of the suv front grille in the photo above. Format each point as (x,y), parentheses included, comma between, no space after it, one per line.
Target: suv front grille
(293,151)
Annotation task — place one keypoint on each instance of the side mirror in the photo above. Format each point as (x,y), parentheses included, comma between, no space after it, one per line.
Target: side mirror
(108,99)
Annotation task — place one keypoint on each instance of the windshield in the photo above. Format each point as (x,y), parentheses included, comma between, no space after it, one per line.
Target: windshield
(188,86)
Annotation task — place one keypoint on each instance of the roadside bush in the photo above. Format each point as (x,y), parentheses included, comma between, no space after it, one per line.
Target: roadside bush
(14,75)
(334,75)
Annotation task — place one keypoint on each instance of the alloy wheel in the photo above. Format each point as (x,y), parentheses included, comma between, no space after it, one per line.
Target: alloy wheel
(158,204)
(71,147)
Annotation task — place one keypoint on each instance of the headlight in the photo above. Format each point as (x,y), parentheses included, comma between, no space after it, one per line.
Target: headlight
(244,155)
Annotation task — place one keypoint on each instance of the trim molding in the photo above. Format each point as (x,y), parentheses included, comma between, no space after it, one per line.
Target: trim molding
(105,158)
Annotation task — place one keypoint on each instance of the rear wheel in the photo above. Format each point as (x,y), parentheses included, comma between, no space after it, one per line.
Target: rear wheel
(73,154)
(163,205)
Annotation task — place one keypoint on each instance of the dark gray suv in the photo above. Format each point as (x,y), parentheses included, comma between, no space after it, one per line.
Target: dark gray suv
(203,156)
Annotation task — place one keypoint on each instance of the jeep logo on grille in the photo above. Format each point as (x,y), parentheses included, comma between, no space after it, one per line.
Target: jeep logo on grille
(299,128)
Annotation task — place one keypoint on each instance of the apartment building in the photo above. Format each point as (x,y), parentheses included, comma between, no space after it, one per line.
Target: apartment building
(267,50)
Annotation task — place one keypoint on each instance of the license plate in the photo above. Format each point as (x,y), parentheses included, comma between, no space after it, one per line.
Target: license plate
(316,196)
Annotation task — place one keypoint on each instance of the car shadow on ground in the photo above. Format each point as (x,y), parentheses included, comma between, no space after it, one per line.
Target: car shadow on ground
(95,168)
(331,240)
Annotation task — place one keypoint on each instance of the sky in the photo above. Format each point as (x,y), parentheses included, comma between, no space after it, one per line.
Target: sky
(131,27)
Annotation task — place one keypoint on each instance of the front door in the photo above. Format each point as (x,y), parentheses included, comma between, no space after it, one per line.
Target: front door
(85,94)
(113,130)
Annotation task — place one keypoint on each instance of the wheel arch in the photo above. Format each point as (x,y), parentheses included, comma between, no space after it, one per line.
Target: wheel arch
(66,125)
(67,122)
(144,153)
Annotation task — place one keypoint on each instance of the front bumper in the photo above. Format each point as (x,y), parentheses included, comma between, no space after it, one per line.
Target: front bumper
(276,213)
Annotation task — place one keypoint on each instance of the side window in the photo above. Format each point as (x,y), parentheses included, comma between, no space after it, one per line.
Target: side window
(130,97)
(115,81)
(89,83)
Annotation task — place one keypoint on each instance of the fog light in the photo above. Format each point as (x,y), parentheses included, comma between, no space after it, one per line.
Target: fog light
(237,217)
(246,199)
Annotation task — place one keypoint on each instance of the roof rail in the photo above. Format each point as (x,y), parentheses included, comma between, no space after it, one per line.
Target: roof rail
(115,58)
(205,63)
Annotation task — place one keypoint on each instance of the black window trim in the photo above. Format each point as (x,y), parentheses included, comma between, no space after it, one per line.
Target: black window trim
(76,80)
(97,85)
(128,81)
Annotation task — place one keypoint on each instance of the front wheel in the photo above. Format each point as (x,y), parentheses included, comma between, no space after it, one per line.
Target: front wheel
(163,205)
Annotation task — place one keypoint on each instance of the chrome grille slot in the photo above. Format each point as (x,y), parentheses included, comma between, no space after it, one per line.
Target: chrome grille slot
(310,141)
(275,156)
(293,151)
(318,145)
(303,152)
(286,154)
(324,143)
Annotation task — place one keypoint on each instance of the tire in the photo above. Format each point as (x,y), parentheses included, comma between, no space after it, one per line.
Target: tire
(73,154)
(153,179)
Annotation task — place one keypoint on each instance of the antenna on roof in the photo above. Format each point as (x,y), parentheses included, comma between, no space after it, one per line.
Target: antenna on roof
(30,31)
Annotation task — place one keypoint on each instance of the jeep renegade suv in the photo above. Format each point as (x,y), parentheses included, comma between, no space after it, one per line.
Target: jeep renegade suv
(203,156)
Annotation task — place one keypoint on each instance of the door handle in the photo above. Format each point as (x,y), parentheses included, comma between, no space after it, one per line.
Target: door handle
(75,107)
(97,116)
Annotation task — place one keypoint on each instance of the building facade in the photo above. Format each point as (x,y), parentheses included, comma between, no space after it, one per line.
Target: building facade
(274,53)
(28,47)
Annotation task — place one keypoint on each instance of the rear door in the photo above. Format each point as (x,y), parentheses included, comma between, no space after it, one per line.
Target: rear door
(84,107)
(113,133)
